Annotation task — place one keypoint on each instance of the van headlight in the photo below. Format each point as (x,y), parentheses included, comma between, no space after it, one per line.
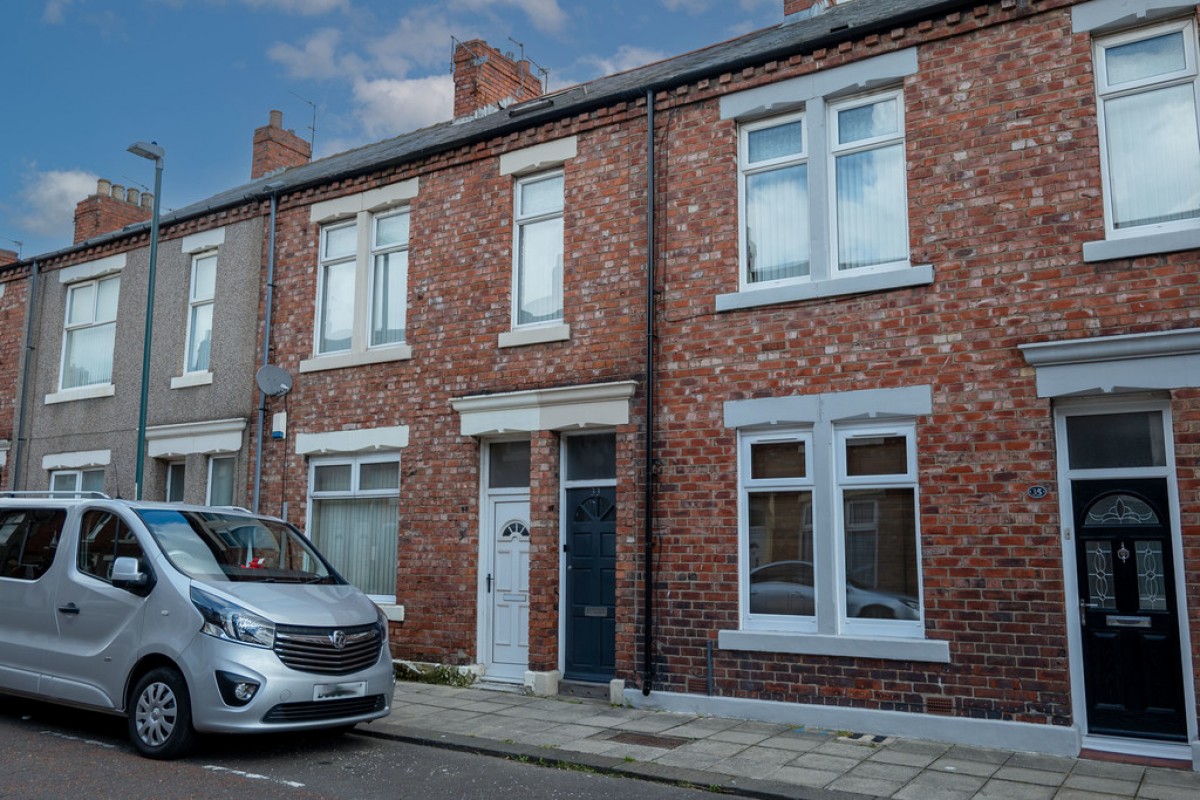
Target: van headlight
(226,620)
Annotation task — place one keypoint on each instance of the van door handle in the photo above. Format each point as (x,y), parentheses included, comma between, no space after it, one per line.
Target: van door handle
(69,608)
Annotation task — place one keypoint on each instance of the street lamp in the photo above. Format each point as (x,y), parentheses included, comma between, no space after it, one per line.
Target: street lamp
(151,151)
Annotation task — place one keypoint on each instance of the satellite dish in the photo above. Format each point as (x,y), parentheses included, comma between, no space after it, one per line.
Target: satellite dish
(273,380)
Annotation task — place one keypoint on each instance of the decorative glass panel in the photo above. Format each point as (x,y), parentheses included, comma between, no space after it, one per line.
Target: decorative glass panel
(1102,590)
(592,457)
(882,455)
(514,530)
(1120,510)
(778,141)
(777,460)
(1109,441)
(508,465)
(777,239)
(1152,585)
(781,551)
(872,213)
(1159,55)
(868,122)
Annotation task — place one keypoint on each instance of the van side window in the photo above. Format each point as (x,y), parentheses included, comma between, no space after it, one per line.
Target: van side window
(104,537)
(28,541)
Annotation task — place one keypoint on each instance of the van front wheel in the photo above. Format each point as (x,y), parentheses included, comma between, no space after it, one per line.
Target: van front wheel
(160,715)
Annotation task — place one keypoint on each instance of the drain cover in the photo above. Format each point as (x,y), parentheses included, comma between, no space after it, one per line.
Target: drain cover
(649,740)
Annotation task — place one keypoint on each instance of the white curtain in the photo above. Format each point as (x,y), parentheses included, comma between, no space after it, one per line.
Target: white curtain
(871,209)
(359,536)
(777,224)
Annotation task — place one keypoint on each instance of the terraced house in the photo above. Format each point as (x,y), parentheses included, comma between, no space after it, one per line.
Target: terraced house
(845,373)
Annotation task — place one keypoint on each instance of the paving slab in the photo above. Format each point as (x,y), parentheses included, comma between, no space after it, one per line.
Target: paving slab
(999,789)
(1034,776)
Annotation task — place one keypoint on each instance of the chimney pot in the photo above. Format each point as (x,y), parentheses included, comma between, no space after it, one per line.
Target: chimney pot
(118,191)
(131,196)
(103,187)
(276,119)
(148,200)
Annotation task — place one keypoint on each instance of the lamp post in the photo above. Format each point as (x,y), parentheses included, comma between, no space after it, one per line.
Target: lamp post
(151,151)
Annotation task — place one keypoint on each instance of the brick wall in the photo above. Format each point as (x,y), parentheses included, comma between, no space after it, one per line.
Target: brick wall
(111,208)
(276,148)
(484,77)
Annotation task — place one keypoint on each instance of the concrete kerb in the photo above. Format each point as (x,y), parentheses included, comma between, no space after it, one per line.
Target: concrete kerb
(606,765)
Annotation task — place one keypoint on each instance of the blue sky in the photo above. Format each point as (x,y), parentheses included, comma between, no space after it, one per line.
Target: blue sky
(83,79)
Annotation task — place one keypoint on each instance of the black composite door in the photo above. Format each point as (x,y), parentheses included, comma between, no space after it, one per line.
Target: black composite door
(1132,667)
(591,556)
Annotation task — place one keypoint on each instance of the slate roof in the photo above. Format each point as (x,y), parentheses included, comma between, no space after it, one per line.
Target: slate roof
(794,35)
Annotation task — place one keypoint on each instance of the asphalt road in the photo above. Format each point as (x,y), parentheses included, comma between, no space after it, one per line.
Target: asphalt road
(48,752)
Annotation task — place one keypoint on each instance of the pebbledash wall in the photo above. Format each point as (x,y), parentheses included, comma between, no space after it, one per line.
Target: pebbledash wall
(14,289)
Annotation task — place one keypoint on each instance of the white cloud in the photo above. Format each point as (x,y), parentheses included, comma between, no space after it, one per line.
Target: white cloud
(690,6)
(48,200)
(422,37)
(546,15)
(389,106)
(304,7)
(55,11)
(627,57)
(317,57)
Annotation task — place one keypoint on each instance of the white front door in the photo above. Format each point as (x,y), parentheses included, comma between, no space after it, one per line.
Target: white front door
(507,588)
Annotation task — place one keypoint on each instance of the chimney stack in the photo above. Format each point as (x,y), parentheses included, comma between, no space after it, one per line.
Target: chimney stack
(485,79)
(803,9)
(276,149)
(7,257)
(110,209)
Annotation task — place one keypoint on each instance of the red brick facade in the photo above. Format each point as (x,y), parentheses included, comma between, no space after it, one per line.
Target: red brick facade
(484,77)
(276,148)
(111,208)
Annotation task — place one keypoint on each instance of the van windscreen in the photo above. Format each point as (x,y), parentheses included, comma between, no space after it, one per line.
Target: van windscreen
(216,546)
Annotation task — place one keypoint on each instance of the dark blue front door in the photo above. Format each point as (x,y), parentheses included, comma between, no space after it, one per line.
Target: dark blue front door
(591,583)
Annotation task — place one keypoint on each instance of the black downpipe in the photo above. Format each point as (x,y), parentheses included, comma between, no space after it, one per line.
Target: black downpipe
(23,398)
(266,351)
(648,525)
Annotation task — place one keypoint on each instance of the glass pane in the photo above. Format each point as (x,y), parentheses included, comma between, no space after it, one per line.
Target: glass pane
(766,144)
(1107,441)
(1118,511)
(1102,590)
(388,295)
(1158,55)
(89,355)
(340,242)
(868,122)
(175,480)
(106,299)
(81,304)
(872,215)
(359,537)
(880,455)
(777,224)
(542,196)
(883,579)
(592,457)
(508,465)
(205,283)
(201,342)
(103,538)
(1152,580)
(379,475)
(332,478)
(337,307)
(1153,156)
(92,480)
(777,460)
(64,482)
(540,279)
(220,486)
(391,230)
(781,552)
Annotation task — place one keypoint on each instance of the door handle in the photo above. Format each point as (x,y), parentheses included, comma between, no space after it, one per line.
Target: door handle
(489,583)
(69,608)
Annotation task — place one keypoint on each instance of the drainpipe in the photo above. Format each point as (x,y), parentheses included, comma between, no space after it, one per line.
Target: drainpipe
(648,525)
(266,348)
(19,434)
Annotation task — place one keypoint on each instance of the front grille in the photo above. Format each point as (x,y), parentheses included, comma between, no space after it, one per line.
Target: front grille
(313,649)
(325,710)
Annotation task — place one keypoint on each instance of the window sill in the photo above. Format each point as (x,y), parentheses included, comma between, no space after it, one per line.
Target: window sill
(920,275)
(190,379)
(1145,245)
(527,336)
(382,355)
(82,393)
(394,613)
(929,650)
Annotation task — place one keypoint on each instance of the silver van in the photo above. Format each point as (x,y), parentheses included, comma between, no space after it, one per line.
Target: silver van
(183,619)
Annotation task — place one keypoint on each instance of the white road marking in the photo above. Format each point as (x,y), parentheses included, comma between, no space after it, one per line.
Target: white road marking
(95,742)
(254,776)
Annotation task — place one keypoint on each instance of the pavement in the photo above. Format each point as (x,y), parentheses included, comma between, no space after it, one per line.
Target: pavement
(752,759)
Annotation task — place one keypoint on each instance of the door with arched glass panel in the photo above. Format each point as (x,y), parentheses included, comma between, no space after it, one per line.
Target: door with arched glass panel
(1128,613)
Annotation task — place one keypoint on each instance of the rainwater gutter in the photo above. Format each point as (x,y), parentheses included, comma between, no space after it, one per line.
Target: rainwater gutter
(648,524)
(266,348)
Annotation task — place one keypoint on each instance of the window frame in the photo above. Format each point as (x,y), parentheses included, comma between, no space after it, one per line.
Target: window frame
(208,485)
(69,328)
(78,475)
(175,468)
(747,169)
(1104,92)
(373,252)
(323,265)
(195,302)
(520,221)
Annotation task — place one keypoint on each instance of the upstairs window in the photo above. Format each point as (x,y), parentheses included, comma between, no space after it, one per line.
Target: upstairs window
(89,333)
(389,278)
(538,250)
(1147,89)
(335,304)
(200,312)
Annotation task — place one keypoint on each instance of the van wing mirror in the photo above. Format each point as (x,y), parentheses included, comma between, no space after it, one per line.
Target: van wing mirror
(128,573)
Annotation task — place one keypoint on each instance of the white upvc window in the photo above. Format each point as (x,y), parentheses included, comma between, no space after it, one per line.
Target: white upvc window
(176,478)
(335,287)
(221,489)
(857,144)
(200,313)
(89,333)
(354,508)
(538,250)
(853,506)
(77,480)
(1149,100)
(389,277)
